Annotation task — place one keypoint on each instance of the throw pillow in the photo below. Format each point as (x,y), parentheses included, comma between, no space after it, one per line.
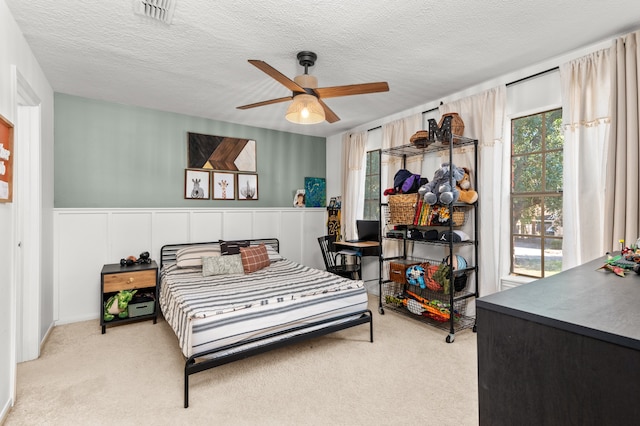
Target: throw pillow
(191,257)
(222,265)
(232,247)
(254,258)
(274,255)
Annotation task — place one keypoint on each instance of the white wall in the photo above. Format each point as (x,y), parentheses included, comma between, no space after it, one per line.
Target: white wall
(86,239)
(14,51)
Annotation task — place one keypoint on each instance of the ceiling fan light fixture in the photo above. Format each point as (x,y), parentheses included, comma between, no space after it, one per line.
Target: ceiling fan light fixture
(305,109)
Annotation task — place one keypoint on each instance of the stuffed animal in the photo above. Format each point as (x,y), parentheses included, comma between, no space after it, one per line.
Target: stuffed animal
(118,304)
(467,194)
(442,188)
(415,275)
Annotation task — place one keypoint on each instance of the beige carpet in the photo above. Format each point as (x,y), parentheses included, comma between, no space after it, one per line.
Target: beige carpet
(134,375)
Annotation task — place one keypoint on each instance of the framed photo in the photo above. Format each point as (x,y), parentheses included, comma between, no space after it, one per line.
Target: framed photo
(224,186)
(221,153)
(196,184)
(6,161)
(247,186)
(298,198)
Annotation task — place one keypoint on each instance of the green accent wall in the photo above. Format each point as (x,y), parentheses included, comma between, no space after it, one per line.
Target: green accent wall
(113,155)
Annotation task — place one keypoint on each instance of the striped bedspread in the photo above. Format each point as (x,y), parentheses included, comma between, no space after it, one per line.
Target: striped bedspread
(210,312)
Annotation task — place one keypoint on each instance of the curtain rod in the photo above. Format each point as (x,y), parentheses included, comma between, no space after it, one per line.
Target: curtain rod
(423,112)
(508,84)
(532,76)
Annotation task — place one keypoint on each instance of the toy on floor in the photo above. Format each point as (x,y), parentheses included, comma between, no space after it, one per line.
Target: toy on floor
(118,304)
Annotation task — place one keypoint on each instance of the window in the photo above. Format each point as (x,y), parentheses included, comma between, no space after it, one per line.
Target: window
(536,194)
(372,186)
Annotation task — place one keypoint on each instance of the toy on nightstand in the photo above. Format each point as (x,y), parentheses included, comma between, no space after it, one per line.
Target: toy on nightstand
(132,260)
(118,304)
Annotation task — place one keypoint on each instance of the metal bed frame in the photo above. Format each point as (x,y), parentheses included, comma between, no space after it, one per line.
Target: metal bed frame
(195,365)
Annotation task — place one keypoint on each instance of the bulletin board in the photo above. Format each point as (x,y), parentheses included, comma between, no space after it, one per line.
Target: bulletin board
(6,160)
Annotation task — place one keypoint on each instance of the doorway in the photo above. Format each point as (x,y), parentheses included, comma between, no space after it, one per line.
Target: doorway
(27,208)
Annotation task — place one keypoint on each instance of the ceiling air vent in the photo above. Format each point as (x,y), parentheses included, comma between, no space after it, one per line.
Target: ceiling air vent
(160,10)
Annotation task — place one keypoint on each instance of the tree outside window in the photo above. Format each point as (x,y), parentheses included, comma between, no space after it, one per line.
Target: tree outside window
(536,194)
(372,186)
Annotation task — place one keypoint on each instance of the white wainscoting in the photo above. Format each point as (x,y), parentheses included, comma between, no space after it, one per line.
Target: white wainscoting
(86,239)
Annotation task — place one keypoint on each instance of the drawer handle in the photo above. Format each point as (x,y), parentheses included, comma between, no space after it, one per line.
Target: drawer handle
(130,280)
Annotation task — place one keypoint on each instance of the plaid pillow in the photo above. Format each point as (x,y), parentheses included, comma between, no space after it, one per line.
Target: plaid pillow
(232,247)
(254,258)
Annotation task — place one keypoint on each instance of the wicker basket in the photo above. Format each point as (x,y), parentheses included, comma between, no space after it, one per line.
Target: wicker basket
(402,208)
(457,125)
(421,139)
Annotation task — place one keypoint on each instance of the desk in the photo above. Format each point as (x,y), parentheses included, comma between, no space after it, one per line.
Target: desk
(357,245)
(364,248)
(561,350)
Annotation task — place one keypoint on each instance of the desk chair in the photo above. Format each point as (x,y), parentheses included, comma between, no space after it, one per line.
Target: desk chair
(330,258)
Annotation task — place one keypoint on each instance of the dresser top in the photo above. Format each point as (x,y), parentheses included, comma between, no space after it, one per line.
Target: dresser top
(583,300)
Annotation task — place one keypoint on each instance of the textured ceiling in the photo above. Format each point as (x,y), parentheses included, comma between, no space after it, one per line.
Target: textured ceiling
(198,65)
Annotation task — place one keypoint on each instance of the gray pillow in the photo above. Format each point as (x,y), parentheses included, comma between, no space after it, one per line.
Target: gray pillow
(222,265)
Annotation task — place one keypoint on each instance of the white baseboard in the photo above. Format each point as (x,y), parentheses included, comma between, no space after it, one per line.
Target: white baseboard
(5,411)
(46,336)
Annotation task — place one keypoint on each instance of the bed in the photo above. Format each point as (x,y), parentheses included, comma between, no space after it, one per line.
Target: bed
(222,312)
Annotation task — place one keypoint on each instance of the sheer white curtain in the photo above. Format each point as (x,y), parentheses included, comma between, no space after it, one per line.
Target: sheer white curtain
(397,133)
(484,119)
(622,213)
(353,153)
(586,90)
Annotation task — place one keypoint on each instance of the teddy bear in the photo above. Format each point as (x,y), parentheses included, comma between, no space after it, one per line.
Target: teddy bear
(442,188)
(467,194)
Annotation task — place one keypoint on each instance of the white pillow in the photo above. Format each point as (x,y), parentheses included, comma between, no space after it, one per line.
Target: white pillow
(222,265)
(191,257)
(273,254)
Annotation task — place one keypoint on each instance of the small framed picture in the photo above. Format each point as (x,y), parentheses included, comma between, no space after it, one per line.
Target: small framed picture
(298,199)
(247,185)
(224,186)
(196,184)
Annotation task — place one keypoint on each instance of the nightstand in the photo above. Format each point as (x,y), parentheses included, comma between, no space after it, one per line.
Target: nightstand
(142,277)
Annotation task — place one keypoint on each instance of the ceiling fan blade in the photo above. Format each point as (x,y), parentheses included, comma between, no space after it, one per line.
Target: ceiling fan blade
(269,102)
(352,89)
(329,115)
(276,75)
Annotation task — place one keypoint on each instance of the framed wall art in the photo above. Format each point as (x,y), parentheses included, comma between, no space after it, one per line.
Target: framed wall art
(224,186)
(6,161)
(316,191)
(221,153)
(196,184)
(247,186)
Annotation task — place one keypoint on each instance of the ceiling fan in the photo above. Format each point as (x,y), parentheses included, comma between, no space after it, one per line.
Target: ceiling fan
(308,106)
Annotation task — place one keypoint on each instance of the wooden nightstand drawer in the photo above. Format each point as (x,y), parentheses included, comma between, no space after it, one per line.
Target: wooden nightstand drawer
(129,280)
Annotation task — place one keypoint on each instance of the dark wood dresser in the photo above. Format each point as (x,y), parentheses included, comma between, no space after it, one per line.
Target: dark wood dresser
(563,350)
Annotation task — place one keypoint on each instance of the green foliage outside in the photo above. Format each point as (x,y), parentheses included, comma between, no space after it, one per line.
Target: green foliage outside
(536,188)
